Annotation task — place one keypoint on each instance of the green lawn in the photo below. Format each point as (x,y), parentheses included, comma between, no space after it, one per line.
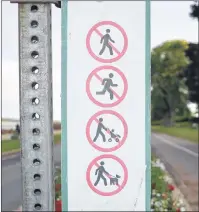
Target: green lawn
(14,145)
(180,132)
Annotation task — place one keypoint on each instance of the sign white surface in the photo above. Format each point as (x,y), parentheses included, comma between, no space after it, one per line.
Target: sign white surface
(108,175)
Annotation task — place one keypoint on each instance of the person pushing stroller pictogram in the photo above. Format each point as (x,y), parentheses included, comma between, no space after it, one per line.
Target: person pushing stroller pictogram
(112,133)
(105,40)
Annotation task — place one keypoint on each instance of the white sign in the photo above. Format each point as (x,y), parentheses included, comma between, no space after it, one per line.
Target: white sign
(106,106)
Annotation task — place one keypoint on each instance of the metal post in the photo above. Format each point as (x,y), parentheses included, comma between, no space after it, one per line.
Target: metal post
(36,118)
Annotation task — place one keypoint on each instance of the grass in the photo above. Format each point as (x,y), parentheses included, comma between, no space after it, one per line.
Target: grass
(14,145)
(182,131)
(157,176)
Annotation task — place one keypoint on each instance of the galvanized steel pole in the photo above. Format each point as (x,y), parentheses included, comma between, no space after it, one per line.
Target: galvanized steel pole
(36,107)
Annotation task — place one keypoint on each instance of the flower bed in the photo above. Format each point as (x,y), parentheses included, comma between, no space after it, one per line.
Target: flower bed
(162,190)
(161,193)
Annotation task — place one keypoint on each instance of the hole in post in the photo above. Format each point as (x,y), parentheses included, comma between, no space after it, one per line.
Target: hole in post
(36,162)
(36,131)
(35,85)
(35,54)
(36,146)
(35,116)
(35,101)
(34,39)
(37,176)
(35,70)
(34,8)
(37,206)
(37,192)
(34,24)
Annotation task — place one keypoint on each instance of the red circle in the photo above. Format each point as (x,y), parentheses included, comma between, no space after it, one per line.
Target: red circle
(88,38)
(88,126)
(89,80)
(119,187)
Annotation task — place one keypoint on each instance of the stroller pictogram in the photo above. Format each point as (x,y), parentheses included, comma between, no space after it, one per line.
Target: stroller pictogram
(113,136)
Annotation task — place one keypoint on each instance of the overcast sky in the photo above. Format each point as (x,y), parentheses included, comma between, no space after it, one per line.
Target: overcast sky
(169,20)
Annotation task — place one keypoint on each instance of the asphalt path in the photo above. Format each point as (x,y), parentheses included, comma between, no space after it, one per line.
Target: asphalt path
(11,179)
(181,160)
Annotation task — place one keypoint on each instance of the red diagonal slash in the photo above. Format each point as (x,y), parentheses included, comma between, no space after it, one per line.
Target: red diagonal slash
(100,34)
(105,173)
(99,78)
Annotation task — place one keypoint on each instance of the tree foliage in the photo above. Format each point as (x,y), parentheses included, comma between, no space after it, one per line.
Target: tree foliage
(195,11)
(191,73)
(169,91)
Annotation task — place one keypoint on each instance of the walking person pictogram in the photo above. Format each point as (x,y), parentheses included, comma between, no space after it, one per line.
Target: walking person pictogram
(105,39)
(108,83)
(99,130)
(99,172)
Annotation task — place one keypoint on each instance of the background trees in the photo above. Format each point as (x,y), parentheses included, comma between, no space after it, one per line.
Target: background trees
(191,73)
(169,93)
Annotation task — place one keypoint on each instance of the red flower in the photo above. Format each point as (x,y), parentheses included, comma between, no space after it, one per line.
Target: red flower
(171,187)
(178,210)
(58,205)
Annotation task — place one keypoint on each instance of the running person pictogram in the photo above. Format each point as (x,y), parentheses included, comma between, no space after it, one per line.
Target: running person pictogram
(114,86)
(105,40)
(108,83)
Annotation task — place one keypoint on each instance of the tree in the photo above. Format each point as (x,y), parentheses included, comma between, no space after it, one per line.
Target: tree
(191,73)
(169,92)
(195,10)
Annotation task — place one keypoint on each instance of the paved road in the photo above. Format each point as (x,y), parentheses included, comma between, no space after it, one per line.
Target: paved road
(181,160)
(11,179)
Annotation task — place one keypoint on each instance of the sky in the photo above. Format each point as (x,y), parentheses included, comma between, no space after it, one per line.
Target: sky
(169,20)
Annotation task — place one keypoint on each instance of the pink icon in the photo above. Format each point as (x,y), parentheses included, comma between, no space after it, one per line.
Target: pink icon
(107,41)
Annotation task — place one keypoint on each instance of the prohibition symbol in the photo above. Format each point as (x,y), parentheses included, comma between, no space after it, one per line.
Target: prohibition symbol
(106,86)
(106,131)
(107,42)
(107,175)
